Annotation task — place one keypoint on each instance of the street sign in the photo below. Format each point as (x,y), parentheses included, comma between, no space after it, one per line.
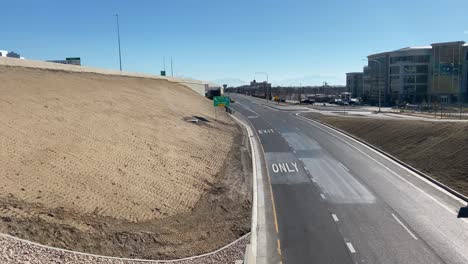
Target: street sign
(221,101)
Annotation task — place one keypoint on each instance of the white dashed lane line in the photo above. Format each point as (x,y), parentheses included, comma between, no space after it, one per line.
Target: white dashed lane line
(323,196)
(335,218)
(350,247)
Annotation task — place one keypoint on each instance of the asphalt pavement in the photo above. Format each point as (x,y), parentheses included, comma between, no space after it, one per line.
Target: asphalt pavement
(338,201)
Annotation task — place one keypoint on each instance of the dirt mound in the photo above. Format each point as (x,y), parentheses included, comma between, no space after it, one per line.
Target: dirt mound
(436,148)
(108,165)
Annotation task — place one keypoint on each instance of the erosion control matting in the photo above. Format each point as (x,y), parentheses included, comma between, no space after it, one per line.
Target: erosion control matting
(108,165)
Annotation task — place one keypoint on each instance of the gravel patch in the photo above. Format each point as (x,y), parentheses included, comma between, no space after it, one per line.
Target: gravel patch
(16,251)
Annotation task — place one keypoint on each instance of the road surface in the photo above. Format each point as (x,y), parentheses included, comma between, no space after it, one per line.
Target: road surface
(337,201)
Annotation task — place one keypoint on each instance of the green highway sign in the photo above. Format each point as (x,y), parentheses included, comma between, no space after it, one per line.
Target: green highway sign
(221,101)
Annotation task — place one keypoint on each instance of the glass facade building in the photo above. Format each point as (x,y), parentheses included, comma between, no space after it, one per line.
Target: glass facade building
(354,84)
(429,74)
(447,72)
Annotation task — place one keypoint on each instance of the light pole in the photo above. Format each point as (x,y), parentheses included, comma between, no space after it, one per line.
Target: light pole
(172,72)
(118,39)
(380,89)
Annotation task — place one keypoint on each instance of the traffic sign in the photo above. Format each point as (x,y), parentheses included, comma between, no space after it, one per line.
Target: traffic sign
(221,101)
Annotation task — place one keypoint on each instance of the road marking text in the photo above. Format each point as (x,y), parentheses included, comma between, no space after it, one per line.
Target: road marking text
(284,167)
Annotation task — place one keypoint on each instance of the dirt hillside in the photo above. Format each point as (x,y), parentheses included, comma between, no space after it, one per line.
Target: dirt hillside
(437,148)
(89,159)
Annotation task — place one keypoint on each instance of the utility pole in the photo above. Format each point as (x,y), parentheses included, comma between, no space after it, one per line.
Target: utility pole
(378,83)
(172,73)
(118,39)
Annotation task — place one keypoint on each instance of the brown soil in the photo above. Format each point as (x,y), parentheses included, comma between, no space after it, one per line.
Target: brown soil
(108,165)
(439,149)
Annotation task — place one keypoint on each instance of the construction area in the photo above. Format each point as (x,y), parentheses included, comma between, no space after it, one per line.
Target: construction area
(113,165)
(437,148)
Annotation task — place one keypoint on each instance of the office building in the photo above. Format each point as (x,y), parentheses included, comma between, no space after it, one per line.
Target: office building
(354,84)
(428,74)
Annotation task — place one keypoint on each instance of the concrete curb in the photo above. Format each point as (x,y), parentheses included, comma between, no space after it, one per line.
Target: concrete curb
(422,174)
(124,259)
(251,250)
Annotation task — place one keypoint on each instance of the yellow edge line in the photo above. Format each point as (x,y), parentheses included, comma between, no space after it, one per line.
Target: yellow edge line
(273,205)
(278,246)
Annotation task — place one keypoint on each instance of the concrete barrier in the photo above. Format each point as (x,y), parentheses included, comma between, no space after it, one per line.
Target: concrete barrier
(196,85)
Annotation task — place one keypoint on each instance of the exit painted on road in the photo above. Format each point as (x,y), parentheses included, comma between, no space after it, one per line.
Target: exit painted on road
(266,131)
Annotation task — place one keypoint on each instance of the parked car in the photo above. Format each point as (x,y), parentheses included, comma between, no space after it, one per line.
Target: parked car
(307,101)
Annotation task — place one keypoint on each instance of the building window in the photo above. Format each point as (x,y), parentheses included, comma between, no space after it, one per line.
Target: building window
(422,58)
(408,88)
(394,80)
(421,78)
(444,99)
(421,89)
(422,69)
(409,79)
(409,69)
(394,69)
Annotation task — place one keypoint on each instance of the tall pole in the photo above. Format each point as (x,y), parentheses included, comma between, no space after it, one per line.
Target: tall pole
(172,73)
(380,89)
(118,39)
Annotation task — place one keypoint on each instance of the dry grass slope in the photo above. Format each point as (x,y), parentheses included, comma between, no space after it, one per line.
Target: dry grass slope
(106,145)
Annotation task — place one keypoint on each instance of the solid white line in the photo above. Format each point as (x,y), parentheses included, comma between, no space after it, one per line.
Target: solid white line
(406,228)
(322,195)
(335,218)
(350,247)
(378,162)
(344,167)
(247,108)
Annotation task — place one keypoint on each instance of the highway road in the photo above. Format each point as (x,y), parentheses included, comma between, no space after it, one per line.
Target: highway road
(337,201)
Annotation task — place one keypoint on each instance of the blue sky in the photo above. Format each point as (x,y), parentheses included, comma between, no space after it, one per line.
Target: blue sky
(296,42)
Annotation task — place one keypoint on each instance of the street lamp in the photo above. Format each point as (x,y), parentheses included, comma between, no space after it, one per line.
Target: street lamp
(118,39)
(380,89)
